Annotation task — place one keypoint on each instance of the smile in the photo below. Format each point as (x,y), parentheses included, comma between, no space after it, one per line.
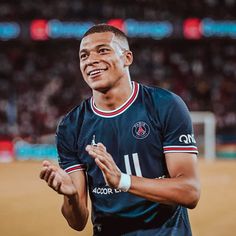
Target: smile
(95,72)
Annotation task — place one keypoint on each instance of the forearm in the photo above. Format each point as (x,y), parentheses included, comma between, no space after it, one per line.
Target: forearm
(182,188)
(177,190)
(75,211)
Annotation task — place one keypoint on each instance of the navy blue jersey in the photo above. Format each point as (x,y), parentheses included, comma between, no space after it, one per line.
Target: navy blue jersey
(152,122)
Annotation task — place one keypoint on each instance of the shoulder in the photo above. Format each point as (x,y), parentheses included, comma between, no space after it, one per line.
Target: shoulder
(161,97)
(73,118)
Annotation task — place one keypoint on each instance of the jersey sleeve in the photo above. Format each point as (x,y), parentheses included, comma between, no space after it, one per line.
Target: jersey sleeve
(178,133)
(66,143)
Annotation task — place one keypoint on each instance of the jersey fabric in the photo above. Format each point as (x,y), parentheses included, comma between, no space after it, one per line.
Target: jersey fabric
(152,122)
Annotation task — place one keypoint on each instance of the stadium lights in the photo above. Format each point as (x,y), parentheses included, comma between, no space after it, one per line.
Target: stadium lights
(9,30)
(192,28)
(219,28)
(43,30)
(72,29)
(145,29)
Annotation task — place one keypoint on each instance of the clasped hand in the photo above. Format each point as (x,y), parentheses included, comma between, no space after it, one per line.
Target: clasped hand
(105,162)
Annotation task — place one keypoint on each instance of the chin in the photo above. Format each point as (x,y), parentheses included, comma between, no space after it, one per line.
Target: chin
(101,87)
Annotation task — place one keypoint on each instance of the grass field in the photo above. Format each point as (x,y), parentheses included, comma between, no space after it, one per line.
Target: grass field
(29,208)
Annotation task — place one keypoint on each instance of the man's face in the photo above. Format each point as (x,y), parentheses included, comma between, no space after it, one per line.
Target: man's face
(102,60)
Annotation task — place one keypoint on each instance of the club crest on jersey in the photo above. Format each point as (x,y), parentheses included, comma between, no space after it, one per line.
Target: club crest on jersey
(140,130)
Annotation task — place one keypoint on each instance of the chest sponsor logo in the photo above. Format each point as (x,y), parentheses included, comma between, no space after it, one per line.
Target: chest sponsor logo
(140,130)
(105,191)
(187,138)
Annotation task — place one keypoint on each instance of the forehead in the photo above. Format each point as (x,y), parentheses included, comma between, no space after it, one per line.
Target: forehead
(95,39)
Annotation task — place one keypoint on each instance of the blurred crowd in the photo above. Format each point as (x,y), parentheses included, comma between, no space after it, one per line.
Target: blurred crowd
(106,9)
(41,81)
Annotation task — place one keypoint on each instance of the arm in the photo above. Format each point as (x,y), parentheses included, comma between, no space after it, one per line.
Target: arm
(74,207)
(181,188)
(73,187)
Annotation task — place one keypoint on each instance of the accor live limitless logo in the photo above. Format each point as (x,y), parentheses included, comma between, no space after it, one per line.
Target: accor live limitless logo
(187,138)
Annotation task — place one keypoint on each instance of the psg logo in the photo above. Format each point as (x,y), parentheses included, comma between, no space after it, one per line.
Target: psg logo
(140,130)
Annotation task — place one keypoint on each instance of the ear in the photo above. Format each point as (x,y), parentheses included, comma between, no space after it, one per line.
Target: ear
(128,58)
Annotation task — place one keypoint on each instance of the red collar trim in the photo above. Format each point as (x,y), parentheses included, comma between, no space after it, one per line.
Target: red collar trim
(119,110)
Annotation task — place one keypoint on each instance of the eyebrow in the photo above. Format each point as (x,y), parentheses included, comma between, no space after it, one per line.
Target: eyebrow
(96,47)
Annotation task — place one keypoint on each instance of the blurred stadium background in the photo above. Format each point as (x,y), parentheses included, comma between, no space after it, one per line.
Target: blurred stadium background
(188,47)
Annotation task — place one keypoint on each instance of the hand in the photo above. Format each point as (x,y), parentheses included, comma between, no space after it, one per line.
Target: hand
(57,179)
(105,162)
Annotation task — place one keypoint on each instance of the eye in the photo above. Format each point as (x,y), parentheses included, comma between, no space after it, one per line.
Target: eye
(103,50)
(83,56)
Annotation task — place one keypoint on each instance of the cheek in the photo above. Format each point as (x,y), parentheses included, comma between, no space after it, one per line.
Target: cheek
(116,62)
(81,66)
(82,70)
(118,66)
(84,76)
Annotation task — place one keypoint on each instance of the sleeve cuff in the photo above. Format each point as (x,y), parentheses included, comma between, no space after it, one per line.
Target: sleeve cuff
(74,168)
(190,149)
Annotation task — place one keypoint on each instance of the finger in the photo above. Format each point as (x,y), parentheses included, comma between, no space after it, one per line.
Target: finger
(102,155)
(101,146)
(54,183)
(43,172)
(46,163)
(105,171)
(105,158)
(90,148)
(58,187)
(95,151)
(102,158)
(102,166)
(51,180)
(54,168)
(101,149)
(47,174)
(97,147)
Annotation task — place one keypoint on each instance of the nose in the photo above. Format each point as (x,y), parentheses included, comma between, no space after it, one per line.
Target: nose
(93,58)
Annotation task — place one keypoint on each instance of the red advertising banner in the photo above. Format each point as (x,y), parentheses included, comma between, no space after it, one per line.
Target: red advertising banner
(6,151)
(192,28)
(39,30)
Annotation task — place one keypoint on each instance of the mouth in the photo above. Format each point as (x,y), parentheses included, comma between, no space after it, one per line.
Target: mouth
(95,72)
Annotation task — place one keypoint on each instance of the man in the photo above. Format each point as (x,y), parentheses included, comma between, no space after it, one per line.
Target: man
(131,145)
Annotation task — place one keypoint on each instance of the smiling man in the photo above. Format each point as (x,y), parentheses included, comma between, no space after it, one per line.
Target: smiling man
(104,63)
(124,146)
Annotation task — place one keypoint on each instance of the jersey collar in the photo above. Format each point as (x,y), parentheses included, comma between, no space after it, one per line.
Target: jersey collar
(119,110)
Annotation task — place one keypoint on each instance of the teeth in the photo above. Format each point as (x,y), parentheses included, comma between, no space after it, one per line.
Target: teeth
(95,72)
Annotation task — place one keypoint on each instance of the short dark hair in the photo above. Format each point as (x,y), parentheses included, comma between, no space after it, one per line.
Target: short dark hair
(100,28)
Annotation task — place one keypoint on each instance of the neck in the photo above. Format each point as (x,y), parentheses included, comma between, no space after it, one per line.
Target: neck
(114,97)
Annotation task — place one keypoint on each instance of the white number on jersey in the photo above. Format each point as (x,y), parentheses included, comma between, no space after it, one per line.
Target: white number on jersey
(136,164)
